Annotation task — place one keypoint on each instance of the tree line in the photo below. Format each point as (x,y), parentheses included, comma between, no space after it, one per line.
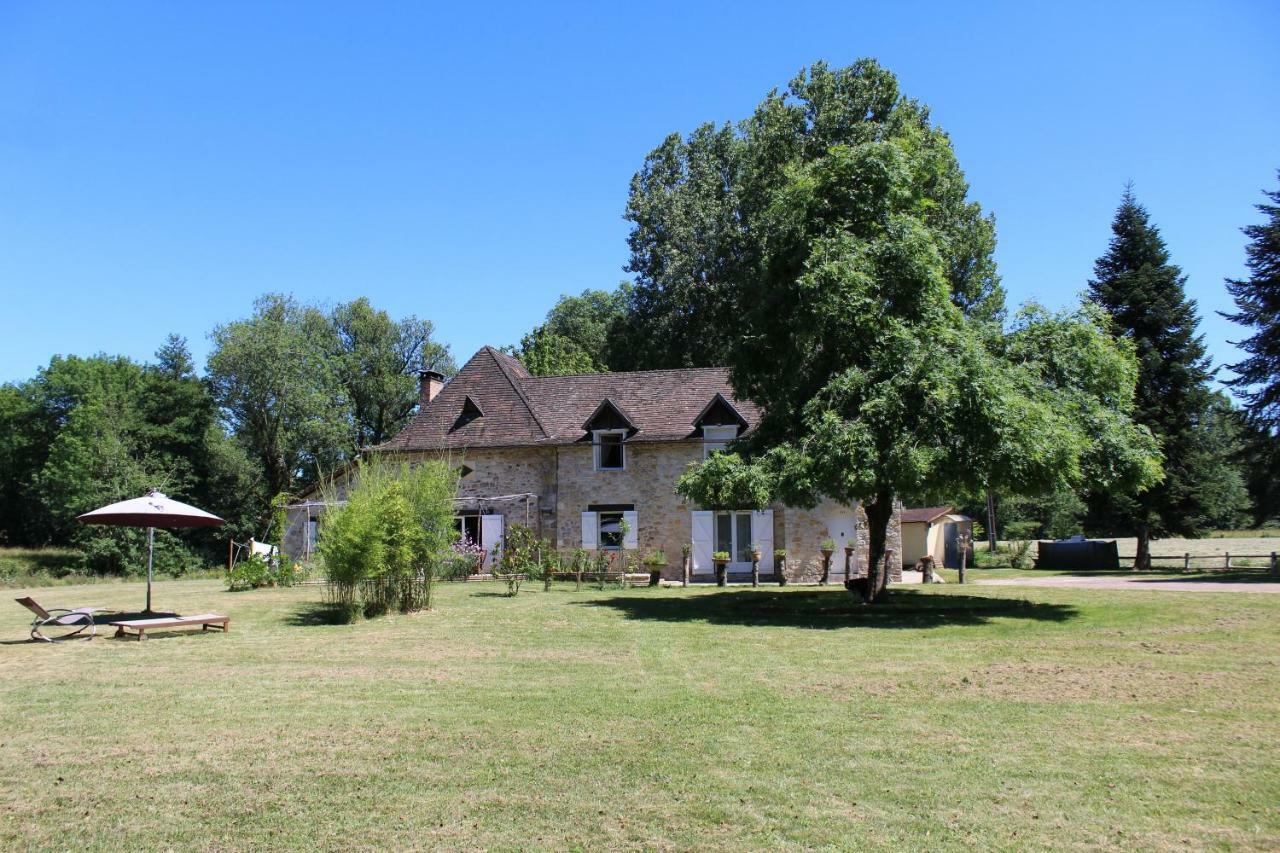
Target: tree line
(288,394)
(825,250)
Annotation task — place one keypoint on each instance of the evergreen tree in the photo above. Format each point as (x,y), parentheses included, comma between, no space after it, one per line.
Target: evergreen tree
(1258,303)
(1144,293)
(1258,376)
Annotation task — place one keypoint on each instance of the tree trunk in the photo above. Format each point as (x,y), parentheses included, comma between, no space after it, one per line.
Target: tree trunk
(1142,559)
(991,521)
(878,514)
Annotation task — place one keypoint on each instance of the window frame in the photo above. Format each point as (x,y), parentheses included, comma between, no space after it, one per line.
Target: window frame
(715,439)
(600,534)
(597,446)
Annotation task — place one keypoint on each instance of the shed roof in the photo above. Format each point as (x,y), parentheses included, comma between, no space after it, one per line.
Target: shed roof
(928,514)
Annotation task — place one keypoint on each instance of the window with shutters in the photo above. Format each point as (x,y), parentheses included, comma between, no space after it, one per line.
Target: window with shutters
(611,531)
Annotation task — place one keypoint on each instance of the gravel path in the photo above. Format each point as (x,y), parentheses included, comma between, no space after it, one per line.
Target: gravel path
(1172,584)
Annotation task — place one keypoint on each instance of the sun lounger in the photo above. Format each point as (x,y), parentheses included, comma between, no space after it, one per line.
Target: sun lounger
(140,627)
(79,618)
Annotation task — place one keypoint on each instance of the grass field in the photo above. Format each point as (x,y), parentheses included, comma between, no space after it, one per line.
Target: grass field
(951,718)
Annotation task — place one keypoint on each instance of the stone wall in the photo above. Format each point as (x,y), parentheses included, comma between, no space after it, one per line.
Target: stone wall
(498,472)
(803,530)
(648,482)
(566,483)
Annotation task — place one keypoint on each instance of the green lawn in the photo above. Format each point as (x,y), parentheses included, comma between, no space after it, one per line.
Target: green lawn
(955,717)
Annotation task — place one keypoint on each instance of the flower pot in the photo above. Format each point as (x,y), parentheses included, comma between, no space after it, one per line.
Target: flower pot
(722,574)
(655,575)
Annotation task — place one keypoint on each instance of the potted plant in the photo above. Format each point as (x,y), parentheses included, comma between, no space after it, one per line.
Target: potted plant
(827,547)
(685,550)
(755,564)
(721,561)
(780,565)
(656,561)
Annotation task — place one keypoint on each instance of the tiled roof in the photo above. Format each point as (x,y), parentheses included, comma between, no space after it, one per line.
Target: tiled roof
(520,409)
(927,514)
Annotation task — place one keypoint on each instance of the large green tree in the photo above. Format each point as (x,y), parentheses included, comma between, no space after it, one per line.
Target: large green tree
(586,333)
(1143,291)
(699,208)
(877,372)
(1257,376)
(88,431)
(1258,309)
(377,361)
(278,387)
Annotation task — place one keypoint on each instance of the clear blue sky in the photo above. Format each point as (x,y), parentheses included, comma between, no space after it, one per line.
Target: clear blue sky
(161,164)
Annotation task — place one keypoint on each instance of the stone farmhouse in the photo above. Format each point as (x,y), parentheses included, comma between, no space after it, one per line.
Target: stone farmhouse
(591,461)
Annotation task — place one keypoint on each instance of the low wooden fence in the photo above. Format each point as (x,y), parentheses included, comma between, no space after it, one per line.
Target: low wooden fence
(1188,562)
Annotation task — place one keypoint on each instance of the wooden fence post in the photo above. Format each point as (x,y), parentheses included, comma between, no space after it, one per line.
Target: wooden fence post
(1275,567)
(1186,561)
(1226,565)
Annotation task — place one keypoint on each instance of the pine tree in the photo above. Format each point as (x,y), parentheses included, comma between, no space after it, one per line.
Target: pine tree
(1144,292)
(1258,376)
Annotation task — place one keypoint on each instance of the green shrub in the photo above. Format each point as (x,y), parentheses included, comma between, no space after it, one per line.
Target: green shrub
(249,573)
(380,548)
(656,559)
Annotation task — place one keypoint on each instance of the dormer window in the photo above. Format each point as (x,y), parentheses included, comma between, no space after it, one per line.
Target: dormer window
(720,423)
(716,438)
(610,452)
(470,412)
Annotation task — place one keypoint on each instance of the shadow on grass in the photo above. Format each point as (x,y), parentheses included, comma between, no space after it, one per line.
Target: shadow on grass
(1159,575)
(830,610)
(1241,576)
(318,613)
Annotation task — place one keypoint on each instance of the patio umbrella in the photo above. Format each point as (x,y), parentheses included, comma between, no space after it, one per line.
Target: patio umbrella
(150,511)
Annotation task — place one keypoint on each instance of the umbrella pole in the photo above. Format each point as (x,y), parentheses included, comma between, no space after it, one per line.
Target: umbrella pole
(151,542)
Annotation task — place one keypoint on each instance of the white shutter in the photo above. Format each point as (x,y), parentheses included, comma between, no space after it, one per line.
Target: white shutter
(762,535)
(590,531)
(704,531)
(490,536)
(631,541)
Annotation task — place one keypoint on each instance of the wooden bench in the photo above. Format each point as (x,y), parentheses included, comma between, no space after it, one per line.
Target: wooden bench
(142,626)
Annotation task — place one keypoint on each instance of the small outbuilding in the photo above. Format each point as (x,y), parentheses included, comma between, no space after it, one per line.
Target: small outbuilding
(934,531)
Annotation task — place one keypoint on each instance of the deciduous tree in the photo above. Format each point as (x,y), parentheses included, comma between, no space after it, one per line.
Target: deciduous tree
(851,326)
(377,361)
(279,391)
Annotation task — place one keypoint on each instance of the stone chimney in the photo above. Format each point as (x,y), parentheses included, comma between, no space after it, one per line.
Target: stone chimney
(429,385)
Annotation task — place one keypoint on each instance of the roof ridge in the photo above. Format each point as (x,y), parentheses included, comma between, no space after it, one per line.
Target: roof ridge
(515,386)
(625,372)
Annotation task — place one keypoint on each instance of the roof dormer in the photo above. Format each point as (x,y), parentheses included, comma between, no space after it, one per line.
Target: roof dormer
(471,411)
(609,416)
(719,413)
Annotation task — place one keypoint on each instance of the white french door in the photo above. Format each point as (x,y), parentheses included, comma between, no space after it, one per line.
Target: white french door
(733,534)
